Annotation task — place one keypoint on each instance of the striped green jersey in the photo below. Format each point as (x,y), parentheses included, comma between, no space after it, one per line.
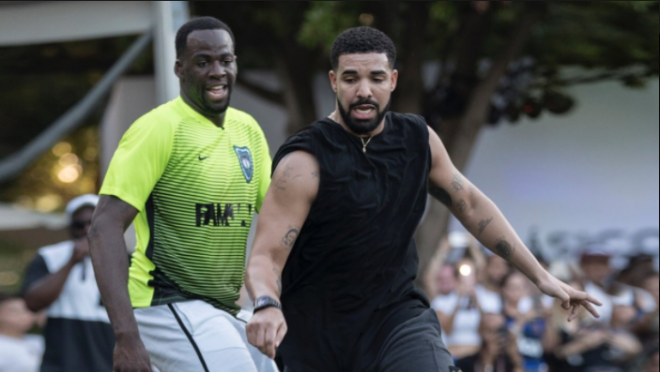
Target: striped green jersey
(196,187)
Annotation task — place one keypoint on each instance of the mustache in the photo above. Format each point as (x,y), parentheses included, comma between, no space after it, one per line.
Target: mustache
(364,102)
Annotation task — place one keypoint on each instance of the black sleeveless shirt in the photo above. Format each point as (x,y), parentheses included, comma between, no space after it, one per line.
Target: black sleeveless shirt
(348,281)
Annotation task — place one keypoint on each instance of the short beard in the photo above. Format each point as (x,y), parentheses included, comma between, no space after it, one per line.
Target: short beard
(217,111)
(361,127)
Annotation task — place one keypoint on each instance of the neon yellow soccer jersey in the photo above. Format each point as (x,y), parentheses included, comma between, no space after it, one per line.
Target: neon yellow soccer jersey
(196,187)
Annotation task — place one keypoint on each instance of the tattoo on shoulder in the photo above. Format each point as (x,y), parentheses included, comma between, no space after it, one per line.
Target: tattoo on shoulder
(483,224)
(441,195)
(504,249)
(290,237)
(283,177)
(461,206)
(457,183)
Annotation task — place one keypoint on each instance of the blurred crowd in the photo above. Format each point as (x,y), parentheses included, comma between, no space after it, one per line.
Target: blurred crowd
(495,320)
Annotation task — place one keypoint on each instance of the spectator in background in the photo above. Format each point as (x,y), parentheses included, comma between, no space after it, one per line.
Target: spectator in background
(458,310)
(653,364)
(61,279)
(587,345)
(598,276)
(490,288)
(648,328)
(527,319)
(17,352)
(499,352)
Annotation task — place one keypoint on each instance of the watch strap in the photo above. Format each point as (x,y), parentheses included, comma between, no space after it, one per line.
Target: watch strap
(265,302)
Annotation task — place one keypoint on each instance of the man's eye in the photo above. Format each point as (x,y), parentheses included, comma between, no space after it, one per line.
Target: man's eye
(202,63)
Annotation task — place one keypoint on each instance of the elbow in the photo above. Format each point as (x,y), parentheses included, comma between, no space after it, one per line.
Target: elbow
(31,302)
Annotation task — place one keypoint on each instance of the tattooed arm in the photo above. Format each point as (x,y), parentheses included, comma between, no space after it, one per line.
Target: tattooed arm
(293,189)
(485,221)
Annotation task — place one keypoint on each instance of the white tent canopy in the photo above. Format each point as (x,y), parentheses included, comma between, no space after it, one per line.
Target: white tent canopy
(15,218)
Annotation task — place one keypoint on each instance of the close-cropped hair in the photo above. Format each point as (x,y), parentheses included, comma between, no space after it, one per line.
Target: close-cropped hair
(198,24)
(360,40)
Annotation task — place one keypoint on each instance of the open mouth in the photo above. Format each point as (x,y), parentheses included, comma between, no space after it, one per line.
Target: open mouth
(364,112)
(217,92)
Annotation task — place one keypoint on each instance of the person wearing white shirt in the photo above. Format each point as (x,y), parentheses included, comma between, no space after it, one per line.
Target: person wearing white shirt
(17,352)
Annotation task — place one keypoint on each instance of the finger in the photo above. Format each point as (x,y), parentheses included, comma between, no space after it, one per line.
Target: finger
(574,313)
(271,333)
(251,334)
(591,309)
(261,340)
(281,332)
(594,301)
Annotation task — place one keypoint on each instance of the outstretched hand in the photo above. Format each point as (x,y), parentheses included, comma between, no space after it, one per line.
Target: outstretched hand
(571,299)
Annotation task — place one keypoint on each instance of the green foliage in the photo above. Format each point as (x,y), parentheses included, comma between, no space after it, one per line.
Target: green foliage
(319,30)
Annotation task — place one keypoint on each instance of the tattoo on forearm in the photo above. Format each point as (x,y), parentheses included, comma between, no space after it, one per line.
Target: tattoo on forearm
(457,183)
(504,249)
(290,237)
(483,224)
(461,206)
(316,174)
(441,195)
(279,281)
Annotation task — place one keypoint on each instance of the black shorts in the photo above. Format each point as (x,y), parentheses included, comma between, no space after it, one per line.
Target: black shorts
(414,346)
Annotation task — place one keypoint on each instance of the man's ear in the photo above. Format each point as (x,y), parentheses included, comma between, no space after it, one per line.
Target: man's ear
(395,79)
(178,69)
(333,80)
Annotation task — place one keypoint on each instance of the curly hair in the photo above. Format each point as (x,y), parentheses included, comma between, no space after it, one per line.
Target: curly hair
(362,40)
(198,24)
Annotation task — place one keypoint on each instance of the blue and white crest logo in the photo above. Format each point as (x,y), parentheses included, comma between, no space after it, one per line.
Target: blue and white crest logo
(245,160)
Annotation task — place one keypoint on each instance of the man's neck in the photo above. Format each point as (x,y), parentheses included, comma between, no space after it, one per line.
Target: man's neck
(336,117)
(217,119)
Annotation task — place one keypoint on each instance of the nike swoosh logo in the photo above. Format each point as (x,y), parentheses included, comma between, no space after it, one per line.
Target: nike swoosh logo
(203,158)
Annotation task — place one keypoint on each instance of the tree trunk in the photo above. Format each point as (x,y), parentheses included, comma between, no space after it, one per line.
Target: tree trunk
(468,126)
(409,95)
(297,81)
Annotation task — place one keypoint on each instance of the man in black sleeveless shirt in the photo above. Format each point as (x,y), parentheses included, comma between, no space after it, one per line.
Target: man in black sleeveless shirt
(335,242)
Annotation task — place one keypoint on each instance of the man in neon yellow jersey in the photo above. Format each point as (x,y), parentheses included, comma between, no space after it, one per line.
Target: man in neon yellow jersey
(189,174)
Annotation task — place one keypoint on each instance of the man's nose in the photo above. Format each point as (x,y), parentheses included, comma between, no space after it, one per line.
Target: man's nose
(217,70)
(364,90)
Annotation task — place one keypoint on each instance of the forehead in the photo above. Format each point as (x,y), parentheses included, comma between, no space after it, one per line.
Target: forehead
(364,62)
(209,41)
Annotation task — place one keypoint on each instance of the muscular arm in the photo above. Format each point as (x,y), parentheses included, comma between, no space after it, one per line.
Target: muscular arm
(485,221)
(108,250)
(286,206)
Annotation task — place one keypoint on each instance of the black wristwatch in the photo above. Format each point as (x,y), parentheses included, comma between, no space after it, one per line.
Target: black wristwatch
(265,302)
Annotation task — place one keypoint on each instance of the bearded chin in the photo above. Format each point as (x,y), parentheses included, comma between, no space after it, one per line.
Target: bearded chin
(362,126)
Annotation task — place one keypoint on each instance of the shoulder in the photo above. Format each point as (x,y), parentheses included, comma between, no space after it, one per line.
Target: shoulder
(242,117)
(410,123)
(243,121)
(245,124)
(408,118)
(161,121)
